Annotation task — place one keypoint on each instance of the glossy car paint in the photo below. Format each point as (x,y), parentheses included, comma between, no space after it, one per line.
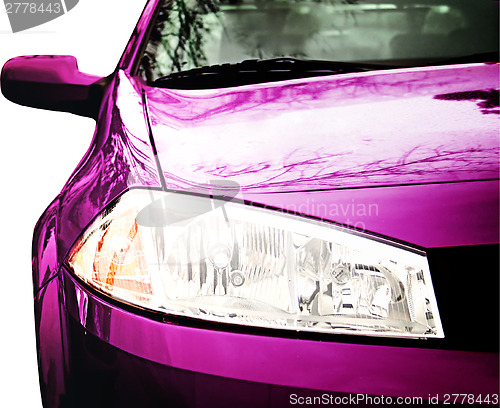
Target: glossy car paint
(409,142)
(336,367)
(353,130)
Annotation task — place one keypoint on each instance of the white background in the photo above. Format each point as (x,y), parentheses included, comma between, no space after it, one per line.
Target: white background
(39,150)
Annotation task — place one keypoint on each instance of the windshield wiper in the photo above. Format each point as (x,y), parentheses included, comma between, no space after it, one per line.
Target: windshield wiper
(258,71)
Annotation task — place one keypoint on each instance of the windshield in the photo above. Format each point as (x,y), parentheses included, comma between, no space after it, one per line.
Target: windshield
(194,33)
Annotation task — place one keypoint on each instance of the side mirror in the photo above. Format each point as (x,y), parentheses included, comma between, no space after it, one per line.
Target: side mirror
(52,82)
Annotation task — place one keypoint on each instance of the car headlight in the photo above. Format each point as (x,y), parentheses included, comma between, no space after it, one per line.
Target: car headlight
(229,262)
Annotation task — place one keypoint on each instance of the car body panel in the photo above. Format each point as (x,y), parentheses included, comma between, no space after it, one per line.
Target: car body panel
(52,342)
(44,250)
(424,215)
(120,157)
(320,365)
(368,129)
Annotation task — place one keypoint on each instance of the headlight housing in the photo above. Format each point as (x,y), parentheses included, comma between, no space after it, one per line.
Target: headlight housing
(223,261)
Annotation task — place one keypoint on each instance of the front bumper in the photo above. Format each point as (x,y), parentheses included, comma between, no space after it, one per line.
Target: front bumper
(119,357)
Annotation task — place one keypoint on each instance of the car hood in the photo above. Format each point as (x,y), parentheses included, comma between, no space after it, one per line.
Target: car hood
(419,142)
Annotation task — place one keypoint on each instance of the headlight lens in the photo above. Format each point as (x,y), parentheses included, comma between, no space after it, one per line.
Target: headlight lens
(224,261)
